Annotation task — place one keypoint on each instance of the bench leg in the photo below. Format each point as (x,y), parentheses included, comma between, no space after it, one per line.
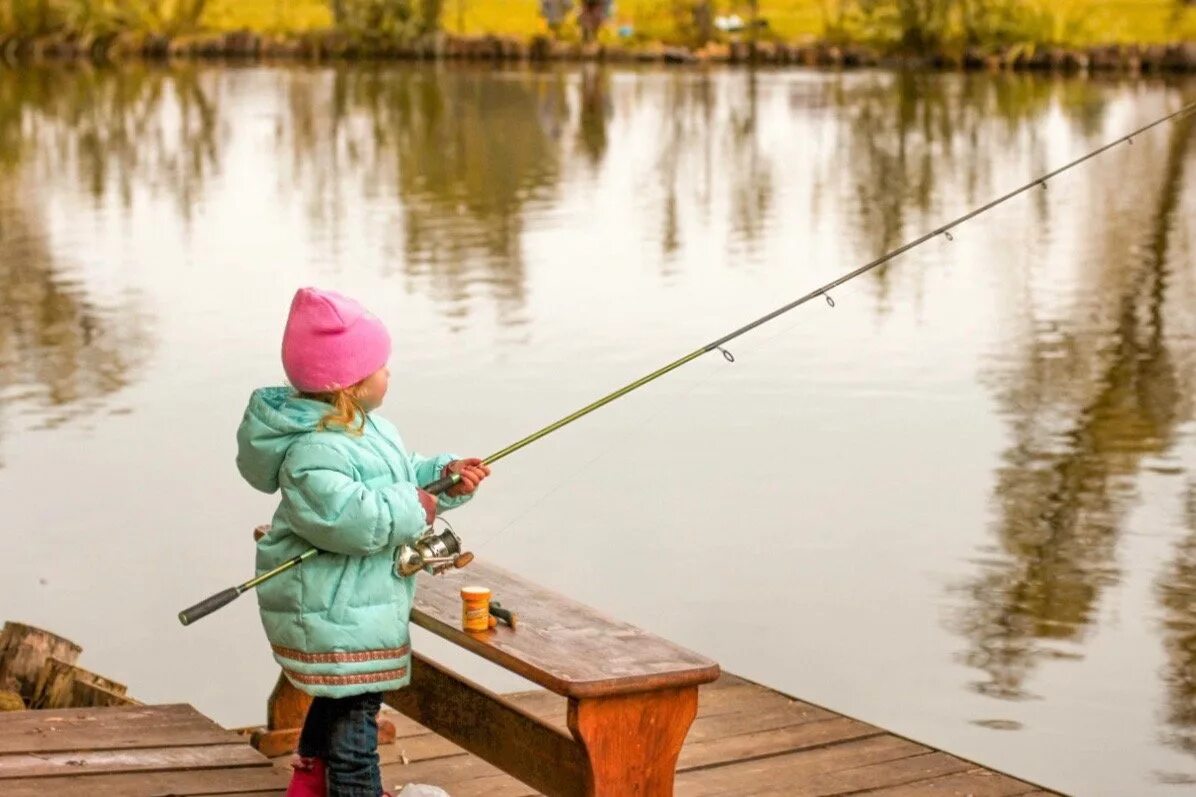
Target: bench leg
(285,711)
(632,741)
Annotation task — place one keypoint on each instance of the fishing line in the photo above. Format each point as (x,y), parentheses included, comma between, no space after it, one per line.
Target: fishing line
(824,290)
(671,401)
(668,403)
(437,487)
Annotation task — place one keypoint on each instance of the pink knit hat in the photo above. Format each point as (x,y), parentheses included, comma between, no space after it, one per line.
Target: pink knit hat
(331,342)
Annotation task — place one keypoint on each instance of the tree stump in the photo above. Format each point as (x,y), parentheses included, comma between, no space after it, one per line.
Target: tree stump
(56,685)
(85,695)
(23,651)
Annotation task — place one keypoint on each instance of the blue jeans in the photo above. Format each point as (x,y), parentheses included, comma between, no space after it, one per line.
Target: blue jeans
(344,732)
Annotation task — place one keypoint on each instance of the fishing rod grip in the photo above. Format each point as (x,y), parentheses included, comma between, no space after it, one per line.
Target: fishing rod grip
(440,485)
(208,605)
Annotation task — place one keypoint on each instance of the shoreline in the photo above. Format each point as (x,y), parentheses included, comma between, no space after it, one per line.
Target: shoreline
(1178,57)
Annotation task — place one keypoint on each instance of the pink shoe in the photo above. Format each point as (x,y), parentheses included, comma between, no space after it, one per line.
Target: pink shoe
(307,778)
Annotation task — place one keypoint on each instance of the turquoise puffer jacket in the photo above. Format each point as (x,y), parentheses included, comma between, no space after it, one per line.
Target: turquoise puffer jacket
(338,622)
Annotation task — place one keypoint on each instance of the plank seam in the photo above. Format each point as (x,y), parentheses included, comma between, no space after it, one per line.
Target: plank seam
(461,753)
(786,722)
(164,745)
(745,759)
(915,780)
(484,776)
(774,729)
(246,790)
(73,772)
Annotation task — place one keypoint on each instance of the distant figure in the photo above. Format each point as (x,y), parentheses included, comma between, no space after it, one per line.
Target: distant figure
(592,15)
(338,622)
(555,12)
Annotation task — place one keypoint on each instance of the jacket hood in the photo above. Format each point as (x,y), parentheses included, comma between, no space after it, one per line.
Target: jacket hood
(275,418)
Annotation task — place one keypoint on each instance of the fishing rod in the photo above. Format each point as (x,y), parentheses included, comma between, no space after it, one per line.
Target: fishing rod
(437,552)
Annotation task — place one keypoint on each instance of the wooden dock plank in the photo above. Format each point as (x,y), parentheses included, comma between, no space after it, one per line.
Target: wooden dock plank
(746,740)
(915,769)
(87,762)
(467,774)
(757,744)
(733,698)
(423,747)
(62,730)
(755,719)
(756,775)
(543,704)
(140,751)
(246,780)
(972,783)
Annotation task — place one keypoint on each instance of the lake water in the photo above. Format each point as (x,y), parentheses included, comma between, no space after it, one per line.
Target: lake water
(960,504)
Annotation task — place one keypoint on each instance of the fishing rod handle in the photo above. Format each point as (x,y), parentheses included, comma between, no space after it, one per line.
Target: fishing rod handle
(208,605)
(440,485)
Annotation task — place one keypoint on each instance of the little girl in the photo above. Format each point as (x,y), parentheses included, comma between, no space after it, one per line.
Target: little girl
(338,622)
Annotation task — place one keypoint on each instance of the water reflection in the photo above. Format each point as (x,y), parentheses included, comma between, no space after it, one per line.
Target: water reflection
(1094,392)
(464,168)
(113,130)
(457,149)
(752,170)
(64,347)
(911,138)
(1177,593)
(62,352)
(686,150)
(595,112)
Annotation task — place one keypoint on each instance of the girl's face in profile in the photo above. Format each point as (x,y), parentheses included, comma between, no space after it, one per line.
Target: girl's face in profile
(372,389)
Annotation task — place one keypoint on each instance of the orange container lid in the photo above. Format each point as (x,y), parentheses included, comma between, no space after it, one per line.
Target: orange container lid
(475,593)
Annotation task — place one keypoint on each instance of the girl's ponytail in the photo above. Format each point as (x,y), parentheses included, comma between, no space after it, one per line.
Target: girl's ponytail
(346,414)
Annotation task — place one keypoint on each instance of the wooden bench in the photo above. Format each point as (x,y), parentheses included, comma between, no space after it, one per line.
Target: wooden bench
(631,695)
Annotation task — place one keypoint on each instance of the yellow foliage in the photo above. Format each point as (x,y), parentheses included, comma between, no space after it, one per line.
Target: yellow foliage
(500,17)
(272,16)
(1073,22)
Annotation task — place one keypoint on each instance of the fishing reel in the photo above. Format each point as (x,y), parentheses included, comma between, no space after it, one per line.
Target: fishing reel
(433,553)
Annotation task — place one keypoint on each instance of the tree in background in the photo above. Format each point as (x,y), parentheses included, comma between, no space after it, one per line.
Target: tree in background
(430,12)
(922,26)
(703,21)
(402,18)
(98,17)
(693,20)
(917,25)
(165,16)
(459,5)
(924,22)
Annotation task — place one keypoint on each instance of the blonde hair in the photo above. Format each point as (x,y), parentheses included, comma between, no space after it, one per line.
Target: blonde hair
(346,409)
